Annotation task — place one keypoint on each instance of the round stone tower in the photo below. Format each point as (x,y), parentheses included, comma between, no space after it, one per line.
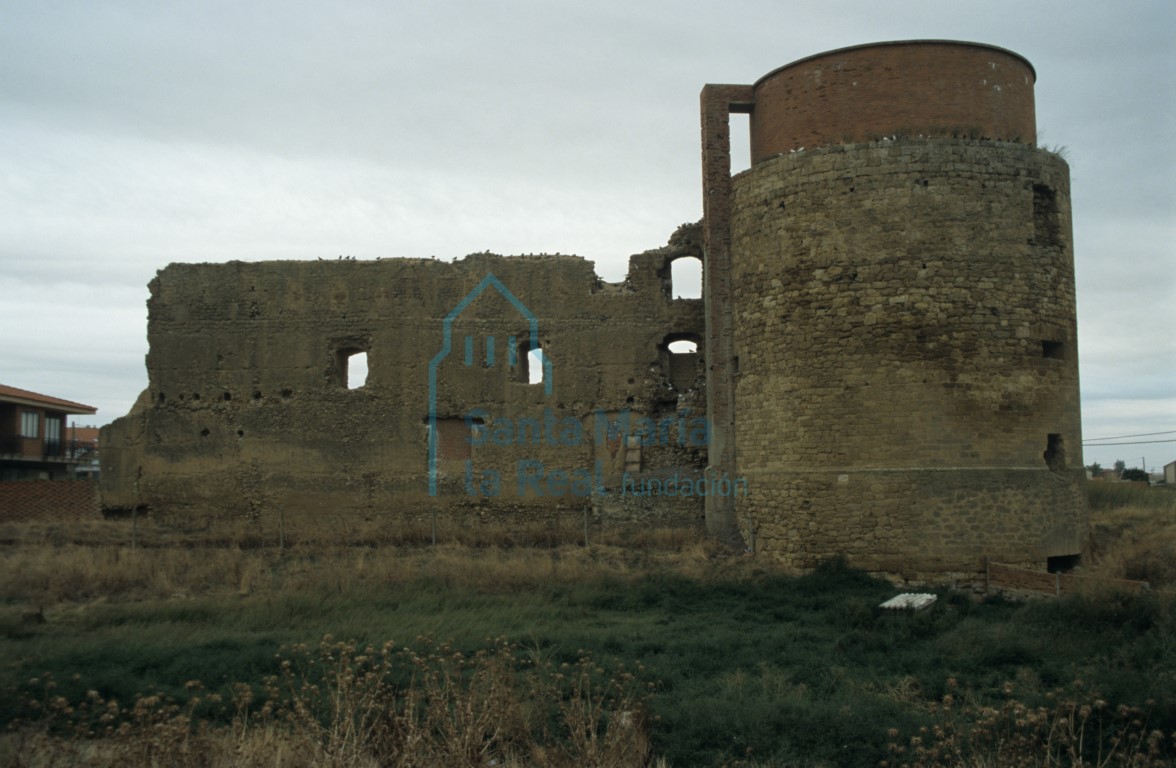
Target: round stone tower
(896,335)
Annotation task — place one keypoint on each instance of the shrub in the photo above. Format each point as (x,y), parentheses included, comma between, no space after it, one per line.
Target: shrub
(1073,727)
(341,704)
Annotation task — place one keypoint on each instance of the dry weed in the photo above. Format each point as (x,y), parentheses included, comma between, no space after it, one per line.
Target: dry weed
(1136,542)
(1074,728)
(346,706)
(40,570)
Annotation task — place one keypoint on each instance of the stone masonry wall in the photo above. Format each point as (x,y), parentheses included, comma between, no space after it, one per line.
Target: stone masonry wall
(907,390)
(888,345)
(248,412)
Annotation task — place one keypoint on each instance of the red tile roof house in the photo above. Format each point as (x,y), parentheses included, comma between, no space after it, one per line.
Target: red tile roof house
(34,443)
(37,453)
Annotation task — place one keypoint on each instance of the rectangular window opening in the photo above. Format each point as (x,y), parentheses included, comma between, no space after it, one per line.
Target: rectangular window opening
(740,131)
(1054,350)
(1046,224)
(53,445)
(529,362)
(686,278)
(1055,452)
(535,366)
(351,367)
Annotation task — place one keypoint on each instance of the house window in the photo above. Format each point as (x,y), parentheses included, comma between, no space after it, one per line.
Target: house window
(30,424)
(53,436)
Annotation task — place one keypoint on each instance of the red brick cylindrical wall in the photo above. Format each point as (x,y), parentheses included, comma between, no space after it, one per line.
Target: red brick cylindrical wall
(929,88)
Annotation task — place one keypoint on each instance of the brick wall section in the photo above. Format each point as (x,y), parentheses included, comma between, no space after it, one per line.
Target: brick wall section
(1011,579)
(35,500)
(929,88)
(1023,581)
(894,399)
(717,104)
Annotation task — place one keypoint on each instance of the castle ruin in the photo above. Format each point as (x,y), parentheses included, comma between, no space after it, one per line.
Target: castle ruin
(884,363)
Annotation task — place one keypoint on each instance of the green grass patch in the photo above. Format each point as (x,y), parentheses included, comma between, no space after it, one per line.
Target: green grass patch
(773,669)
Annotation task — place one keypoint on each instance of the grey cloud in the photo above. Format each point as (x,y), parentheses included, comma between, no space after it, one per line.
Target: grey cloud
(136,134)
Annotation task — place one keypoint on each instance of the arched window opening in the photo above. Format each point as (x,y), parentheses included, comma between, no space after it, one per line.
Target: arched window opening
(681,360)
(528,362)
(686,278)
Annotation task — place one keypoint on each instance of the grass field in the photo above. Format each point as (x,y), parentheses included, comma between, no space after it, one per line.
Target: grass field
(532,651)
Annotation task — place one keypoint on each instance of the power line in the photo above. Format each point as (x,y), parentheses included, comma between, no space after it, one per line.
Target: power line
(1141,442)
(1120,437)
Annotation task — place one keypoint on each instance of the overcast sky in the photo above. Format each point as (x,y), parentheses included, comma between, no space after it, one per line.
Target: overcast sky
(135,134)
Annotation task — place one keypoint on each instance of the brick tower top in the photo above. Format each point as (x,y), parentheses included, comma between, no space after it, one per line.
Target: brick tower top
(903,88)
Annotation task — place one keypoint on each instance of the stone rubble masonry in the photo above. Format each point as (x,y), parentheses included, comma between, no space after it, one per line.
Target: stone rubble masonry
(902,303)
(248,414)
(907,393)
